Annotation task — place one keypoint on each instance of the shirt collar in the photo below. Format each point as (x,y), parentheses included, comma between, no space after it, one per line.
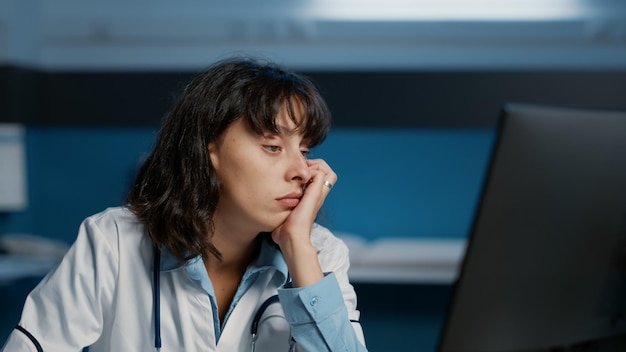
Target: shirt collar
(269,256)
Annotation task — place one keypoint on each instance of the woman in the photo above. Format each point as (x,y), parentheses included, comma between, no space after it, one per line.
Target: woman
(217,249)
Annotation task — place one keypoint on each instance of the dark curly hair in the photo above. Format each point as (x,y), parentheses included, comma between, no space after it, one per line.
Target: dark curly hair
(176,189)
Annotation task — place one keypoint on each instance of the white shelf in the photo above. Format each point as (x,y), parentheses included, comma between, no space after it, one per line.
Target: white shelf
(399,260)
(13,187)
(14,267)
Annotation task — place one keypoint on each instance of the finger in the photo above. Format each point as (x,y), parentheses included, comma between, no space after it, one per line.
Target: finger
(330,177)
(320,186)
(325,180)
(318,164)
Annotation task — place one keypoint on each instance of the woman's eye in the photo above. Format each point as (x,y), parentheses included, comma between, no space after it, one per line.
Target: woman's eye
(305,152)
(272,148)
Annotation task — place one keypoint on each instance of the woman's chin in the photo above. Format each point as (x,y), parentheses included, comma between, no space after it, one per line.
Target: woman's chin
(271,224)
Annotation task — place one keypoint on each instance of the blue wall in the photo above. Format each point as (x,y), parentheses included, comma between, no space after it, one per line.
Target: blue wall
(73,173)
(405,183)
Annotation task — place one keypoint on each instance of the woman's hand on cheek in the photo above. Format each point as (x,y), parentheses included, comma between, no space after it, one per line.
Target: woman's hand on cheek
(293,235)
(297,226)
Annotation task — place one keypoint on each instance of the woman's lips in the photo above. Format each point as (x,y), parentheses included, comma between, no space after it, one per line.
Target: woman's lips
(290,200)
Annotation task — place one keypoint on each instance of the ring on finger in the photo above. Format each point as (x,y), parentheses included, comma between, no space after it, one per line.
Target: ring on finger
(328,184)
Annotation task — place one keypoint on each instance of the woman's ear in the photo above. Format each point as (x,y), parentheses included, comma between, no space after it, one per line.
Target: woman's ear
(213,155)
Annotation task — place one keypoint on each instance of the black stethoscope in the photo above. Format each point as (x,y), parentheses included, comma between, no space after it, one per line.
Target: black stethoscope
(156,282)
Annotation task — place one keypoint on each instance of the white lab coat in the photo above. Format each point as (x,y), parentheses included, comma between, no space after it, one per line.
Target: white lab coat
(101,296)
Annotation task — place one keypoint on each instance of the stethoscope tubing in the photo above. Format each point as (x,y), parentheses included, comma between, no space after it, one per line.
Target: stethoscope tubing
(156,290)
(257,318)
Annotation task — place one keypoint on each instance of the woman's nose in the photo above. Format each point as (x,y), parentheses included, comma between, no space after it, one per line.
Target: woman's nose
(298,168)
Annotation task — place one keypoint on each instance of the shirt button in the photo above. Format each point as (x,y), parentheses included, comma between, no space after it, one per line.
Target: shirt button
(313,301)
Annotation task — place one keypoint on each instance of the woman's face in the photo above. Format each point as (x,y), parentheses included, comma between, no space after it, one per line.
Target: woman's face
(261,176)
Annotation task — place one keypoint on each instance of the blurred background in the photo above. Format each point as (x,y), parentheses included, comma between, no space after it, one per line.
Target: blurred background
(415,88)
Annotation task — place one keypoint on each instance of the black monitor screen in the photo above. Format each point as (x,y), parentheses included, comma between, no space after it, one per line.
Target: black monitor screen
(545,266)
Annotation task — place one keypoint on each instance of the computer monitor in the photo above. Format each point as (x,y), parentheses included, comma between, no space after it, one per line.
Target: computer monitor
(545,268)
